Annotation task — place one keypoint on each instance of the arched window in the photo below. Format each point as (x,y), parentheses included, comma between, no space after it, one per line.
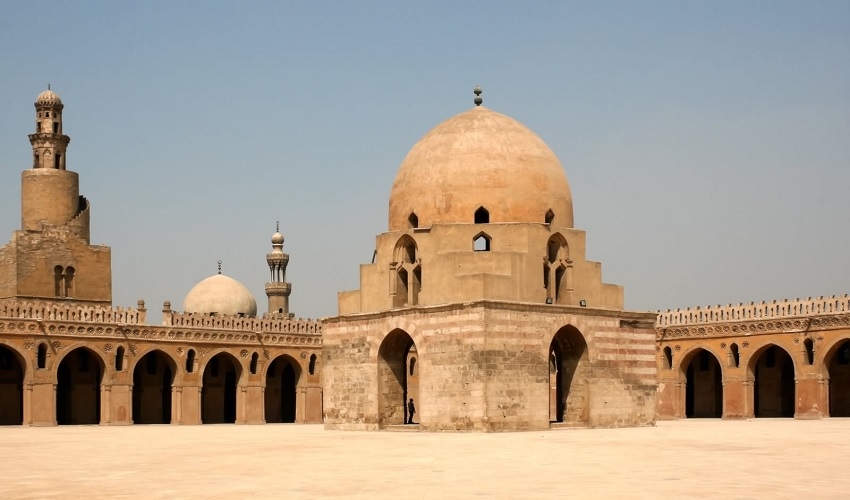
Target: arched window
(736,356)
(668,358)
(549,217)
(119,359)
(254,359)
(412,366)
(190,361)
(482,216)
(481,242)
(405,287)
(69,282)
(312,366)
(810,351)
(42,356)
(413,220)
(58,282)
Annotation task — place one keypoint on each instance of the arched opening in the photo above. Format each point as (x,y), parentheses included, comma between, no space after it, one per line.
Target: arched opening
(190,361)
(153,377)
(570,369)
(556,269)
(395,387)
(481,242)
(58,282)
(78,388)
(119,359)
(255,359)
(413,220)
(703,385)
(312,365)
(482,216)
(41,356)
(668,358)
(549,217)
(11,387)
(405,289)
(736,356)
(839,381)
(218,397)
(69,281)
(809,345)
(773,389)
(281,390)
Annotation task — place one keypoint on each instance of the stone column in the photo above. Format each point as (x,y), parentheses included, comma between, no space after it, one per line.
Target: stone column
(105,404)
(121,405)
(176,404)
(27,416)
(809,396)
(734,398)
(43,403)
(300,405)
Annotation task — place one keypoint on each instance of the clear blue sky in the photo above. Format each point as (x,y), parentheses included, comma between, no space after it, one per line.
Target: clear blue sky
(707,143)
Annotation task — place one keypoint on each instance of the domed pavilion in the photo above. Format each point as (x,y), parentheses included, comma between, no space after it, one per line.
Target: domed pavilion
(480,304)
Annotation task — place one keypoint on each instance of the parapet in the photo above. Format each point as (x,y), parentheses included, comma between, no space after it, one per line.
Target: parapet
(753,311)
(57,311)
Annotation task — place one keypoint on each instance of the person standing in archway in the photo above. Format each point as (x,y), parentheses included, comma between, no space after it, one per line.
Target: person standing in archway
(411,409)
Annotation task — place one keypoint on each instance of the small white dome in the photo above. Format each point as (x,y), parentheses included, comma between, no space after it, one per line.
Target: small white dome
(221,295)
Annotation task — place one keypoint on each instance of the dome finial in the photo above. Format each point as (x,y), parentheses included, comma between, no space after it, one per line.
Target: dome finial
(219,267)
(477,91)
(277,226)
(48,86)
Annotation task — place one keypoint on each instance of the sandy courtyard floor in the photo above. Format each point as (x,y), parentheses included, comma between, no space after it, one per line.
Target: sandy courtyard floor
(697,458)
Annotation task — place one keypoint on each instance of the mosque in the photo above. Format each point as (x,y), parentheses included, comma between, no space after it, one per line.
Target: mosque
(479,305)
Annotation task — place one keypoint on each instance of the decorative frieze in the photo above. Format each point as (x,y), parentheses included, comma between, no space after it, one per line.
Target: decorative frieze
(732,329)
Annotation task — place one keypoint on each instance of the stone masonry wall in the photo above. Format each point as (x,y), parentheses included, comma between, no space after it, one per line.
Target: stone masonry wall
(484,366)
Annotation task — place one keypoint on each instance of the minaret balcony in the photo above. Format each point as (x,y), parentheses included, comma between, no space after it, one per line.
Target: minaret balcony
(278,288)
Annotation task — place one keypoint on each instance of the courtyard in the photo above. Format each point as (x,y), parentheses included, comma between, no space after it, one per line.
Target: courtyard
(764,458)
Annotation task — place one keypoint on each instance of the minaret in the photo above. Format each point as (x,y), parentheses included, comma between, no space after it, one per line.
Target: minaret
(278,289)
(50,194)
(51,257)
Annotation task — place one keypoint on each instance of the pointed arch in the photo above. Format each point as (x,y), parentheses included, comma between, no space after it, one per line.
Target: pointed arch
(154,373)
(222,374)
(702,372)
(12,375)
(837,365)
(481,242)
(569,376)
(481,216)
(394,390)
(282,379)
(772,370)
(79,375)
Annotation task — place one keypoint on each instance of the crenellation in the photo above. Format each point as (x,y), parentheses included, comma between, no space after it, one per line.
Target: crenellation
(773,309)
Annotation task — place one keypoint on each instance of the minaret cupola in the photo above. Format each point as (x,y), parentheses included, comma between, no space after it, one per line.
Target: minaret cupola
(278,290)
(48,141)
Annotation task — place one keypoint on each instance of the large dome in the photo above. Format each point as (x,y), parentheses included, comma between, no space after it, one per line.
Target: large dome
(222,295)
(480,158)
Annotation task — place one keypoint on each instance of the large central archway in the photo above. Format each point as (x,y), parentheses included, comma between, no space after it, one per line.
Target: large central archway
(78,388)
(839,380)
(281,386)
(218,397)
(393,381)
(11,388)
(773,387)
(569,377)
(153,377)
